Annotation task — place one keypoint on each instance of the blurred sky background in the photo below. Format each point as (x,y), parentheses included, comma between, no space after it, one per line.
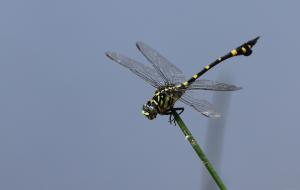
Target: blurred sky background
(70,118)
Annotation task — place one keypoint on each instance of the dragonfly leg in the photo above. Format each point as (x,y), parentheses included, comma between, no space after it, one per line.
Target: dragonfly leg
(179,109)
(171,116)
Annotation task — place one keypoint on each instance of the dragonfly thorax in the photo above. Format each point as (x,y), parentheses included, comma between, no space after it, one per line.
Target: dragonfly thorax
(162,102)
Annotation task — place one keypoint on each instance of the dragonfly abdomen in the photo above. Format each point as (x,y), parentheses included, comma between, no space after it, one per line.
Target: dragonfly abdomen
(244,49)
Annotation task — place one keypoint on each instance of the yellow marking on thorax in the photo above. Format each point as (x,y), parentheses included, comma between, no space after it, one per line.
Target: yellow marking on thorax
(234,52)
(154,101)
(166,102)
(161,102)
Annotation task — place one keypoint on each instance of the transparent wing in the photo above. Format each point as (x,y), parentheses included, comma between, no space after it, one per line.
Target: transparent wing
(146,73)
(212,85)
(168,72)
(202,106)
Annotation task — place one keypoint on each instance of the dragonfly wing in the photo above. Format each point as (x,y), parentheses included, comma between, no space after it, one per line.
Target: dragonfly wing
(212,85)
(148,74)
(202,106)
(169,72)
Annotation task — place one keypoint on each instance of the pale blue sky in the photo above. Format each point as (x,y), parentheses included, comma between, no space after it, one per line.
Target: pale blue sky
(70,117)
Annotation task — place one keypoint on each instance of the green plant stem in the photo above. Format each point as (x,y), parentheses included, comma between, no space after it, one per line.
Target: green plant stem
(188,135)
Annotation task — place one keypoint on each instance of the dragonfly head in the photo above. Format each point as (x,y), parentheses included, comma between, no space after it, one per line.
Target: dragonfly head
(149,110)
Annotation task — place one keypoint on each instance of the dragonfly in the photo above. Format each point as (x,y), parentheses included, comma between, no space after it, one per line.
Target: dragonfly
(171,84)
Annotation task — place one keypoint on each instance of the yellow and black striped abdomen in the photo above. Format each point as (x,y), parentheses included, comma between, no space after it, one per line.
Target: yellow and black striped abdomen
(244,49)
